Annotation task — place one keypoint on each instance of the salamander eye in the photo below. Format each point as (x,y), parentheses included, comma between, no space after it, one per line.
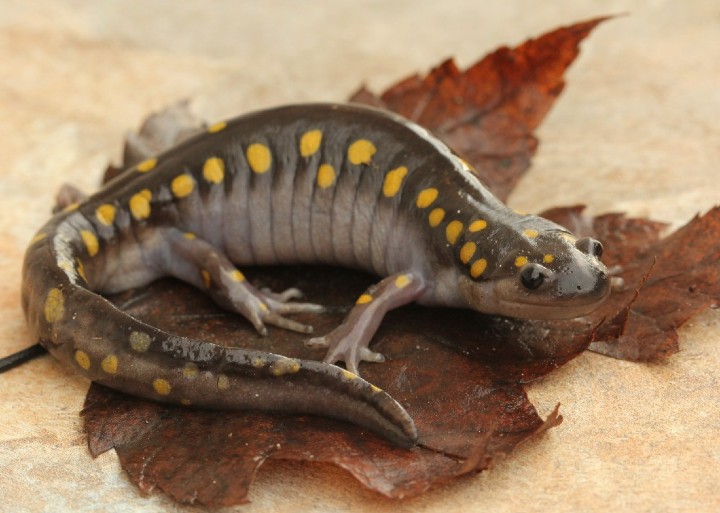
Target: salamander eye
(590,246)
(532,276)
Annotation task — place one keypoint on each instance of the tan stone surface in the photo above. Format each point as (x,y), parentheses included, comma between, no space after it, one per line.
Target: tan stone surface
(637,130)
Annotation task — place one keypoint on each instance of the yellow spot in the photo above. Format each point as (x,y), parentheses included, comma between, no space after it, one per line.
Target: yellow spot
(237,276)
(71,207)
(189,236)
(375,389)
(569,237)
(140,341)
(185,402)
(402,281)
(436,217)
(349,375)
(310,142)
(82,359)
(146,165)
(140,204)
(162,386)
(91,242)
(263,307)
(223,382)
(478,267)
(361,152)
(66,265)
(520,212)
(548,259)
(214,170)
(259,157)
(220,125)
(40,236)
(466,164)
(54,305)
(426,197)
(478,225)
(205,278)
(467,252)
(110,364)
(393,181)
(105,214)
(520,261)
(284,366)
(453,231)
(81,270)
(364,298)
(182,185)
(325,176)
(258,362)
(530,233)
(190,371)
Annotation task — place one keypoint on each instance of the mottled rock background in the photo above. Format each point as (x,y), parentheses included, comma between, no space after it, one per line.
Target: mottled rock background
(636,130)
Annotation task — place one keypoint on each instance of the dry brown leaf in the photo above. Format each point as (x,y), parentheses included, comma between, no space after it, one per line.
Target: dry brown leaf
(458,373)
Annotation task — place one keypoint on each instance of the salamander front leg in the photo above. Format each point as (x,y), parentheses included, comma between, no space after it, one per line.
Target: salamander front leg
(195,261)
(349,341)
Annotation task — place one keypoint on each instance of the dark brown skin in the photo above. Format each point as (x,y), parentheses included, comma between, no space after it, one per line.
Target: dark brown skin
(331,184)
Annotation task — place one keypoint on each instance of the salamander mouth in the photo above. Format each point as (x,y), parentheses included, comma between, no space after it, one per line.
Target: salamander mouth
(551,309)
(516,303)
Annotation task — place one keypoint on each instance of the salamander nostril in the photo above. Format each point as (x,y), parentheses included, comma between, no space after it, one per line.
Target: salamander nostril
(532,276)
(590,246)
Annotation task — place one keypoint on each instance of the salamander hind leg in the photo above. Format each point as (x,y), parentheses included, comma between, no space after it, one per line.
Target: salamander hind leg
(68,197)
(349,341)
(199,263)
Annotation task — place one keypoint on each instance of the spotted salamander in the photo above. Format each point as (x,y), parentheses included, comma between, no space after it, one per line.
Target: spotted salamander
(330,184)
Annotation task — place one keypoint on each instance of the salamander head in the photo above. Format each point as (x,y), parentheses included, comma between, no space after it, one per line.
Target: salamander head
(549,275)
